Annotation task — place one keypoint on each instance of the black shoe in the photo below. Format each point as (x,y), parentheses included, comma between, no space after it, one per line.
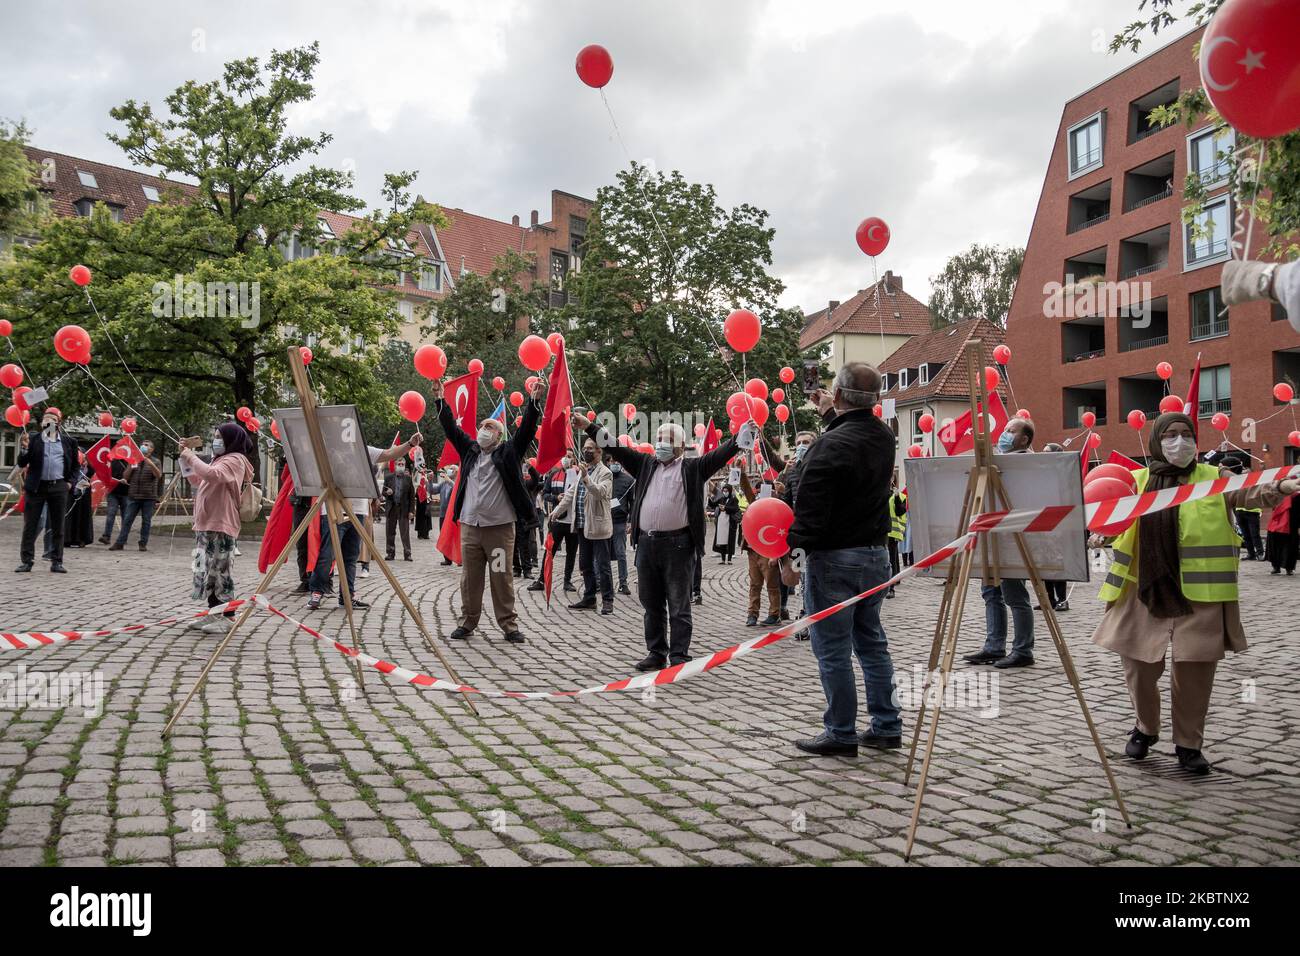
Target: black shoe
(103,539)
(868,739)
(769,621)
(751,621)
(58,568)
(568,586)
(515,637)
(1015,660)
(983,657)
(676,661)
(143,546)
(889,593)
(23,568)
(651,663)
(1191,760)
(586,604)
(390,556)
(607,609)
(313,602)
(116,546)
(697,599)
(622,589)
(460,634)
(1139,744)
(785,615)
(302,588)
(537,586)
(1276,571)
(357,605)
(824,746)
(1062,606)
(446,561)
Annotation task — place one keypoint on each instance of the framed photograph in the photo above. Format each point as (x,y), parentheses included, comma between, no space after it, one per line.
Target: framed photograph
(349,459)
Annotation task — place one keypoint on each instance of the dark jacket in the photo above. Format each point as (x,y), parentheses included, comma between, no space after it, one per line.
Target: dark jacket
(399,493)
(142,481)
(507,457)
(642,467)
(843,486)
(117,470)
(623,483)
(34,460)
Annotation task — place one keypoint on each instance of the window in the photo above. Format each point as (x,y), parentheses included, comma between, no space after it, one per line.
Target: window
(406,310)
(431,278)
(902,379)
(884,383)
(1216,391)
(1085,144)
(923,377)
(151,193)
(84,207)
(916,422)
(1208,152)
(325,231)
(1206,237)
(115,211)
(1209,317)
(559,269)
(577,239)
(87,179)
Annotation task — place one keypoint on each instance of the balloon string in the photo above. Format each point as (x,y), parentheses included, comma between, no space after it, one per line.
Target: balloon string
(1231,444)
(27,376)
(104,388)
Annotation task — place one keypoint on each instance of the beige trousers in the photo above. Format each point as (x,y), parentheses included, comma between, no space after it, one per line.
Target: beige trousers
(762,573)
(1190,684)
(487,549)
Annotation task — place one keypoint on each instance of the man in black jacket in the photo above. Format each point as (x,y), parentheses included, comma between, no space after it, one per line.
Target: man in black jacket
(51,461)
(399,503)
(841,524)
(491,499)
(667,518)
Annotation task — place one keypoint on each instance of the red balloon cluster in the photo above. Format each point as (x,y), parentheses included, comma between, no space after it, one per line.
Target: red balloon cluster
(243,413)
(1104,483)
(16,416)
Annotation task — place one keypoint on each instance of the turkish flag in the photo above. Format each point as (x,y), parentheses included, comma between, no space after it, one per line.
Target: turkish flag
(1117,459)
(1192,404)
(548,567)
(100,455)
(958,437)
(449,527)
(555,433)
(462,395)
(710,438)
(279,524)
(135,456)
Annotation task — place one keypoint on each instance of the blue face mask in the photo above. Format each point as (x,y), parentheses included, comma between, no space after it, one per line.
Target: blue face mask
(1005,442)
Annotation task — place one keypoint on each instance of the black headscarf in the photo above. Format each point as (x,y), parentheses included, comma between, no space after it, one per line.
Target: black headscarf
(1159,583)
(235,438)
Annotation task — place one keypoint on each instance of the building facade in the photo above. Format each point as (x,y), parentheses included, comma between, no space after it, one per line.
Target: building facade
(1114,282)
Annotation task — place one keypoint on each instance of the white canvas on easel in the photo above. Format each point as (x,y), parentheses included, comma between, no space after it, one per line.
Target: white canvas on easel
(340,427)
(935,490)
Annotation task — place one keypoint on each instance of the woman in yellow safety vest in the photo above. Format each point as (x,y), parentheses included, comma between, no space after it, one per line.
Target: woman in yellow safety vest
(1174,581)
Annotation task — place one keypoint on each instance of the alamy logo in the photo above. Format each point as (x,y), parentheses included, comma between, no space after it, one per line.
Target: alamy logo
(211,300)
(73,909)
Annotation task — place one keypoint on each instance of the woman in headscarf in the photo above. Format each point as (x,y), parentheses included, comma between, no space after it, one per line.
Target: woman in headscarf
(79,521)
(217,489)
(1174,582)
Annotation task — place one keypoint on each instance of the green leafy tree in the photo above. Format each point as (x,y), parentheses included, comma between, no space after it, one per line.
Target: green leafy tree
(977,282)
(1265,181)
(22,206)
(197,357)
(663,266)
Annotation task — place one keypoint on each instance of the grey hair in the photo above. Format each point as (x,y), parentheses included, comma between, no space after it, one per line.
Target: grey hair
(847,380)
(677,432)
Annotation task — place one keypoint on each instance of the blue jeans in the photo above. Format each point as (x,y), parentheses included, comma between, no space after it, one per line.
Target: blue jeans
(350,542)
(117,504)
(829,577)
(1015,595)
(619,543)
(145,509)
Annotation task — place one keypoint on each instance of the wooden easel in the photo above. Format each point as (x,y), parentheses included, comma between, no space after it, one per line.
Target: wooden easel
(336,506)
(984,492)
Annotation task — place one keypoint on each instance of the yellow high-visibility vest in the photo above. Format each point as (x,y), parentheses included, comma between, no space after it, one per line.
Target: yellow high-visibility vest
(1209,549)
(897,522)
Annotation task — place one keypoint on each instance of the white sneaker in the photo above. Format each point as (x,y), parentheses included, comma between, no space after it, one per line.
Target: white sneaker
(217,625)
(237,552)
(363,572)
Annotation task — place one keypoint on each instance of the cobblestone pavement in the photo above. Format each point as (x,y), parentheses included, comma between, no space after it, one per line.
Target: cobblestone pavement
(282,761)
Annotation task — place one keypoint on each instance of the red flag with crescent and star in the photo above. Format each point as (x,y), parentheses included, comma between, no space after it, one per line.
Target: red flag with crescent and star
(449,527)
(958,437)
(100,456)
(710,438)
(461,395)
(555,433)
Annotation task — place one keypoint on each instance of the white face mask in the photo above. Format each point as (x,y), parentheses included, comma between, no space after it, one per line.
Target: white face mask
(800,451)
(487,438)
(664,451)
(1178,450)
(218,446)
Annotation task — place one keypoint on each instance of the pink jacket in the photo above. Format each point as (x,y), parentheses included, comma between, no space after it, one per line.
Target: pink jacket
(216,490)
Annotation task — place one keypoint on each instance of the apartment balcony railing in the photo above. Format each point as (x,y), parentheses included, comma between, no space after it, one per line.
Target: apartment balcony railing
(1207,250)
(1144,270)
(1206,409)
(1163,194)
(1209,330)
(1144,133)
(1214,173)
(1095,220)
(1147,343)
(1084,356)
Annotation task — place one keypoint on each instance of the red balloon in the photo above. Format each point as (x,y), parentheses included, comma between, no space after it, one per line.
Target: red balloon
(1171,403)
(516,399)
(1164,370)
(1002,355)
(591,416)
(914,451)
(1104,489)
(629,411)
(758,411)
(243,413)
(757,388)
(18,393)
(786,374)
(1136,419)
(475,366)
(499,383)
(16,416)
(253,424)
(411,405)
(737,406)
(646,448)
(926,423)
(873,235)
(742,330)
(11,376)
(532,462)
(1089,419)
(992,377)
(1250,65)
(529,382)
(878,410)
(128,426)
(1220,421)
(306,354)
(1283,392)
(275,430)
(556,341)
(778,395)
(625,441)
(72,342)
(6,327)
(1024,413)
(80,275)
(783,413)
(430,361)
(594,65)
(1094,440)
(736,424)
(1114,471)
(1294,439)
(105,419)
(534,353)
(766,523)
(699,430)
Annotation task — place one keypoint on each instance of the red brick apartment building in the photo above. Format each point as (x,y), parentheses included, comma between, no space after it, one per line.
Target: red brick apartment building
(1111,213)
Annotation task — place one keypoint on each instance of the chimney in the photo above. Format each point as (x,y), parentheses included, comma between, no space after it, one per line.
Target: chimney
(893,283)
(831,307)
(534,217)
(514,220)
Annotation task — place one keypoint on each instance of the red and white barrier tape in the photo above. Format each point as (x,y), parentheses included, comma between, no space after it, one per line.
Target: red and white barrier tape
(33,639)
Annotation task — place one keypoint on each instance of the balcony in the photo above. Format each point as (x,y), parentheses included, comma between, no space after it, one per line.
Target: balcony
(1149,183)
(1209,317)
(1144,270)
(1154,198)
(1139,111)
(1142,392)
(1088,207)
(1145,343)
(1144,253)
(1083,339)
(1083,398)
(1205,409)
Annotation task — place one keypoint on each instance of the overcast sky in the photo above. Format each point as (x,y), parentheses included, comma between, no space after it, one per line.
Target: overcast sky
(936,115)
